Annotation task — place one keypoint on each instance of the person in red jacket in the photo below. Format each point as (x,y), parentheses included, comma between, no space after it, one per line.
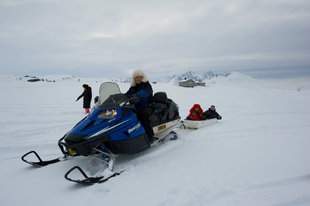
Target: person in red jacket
(195,113)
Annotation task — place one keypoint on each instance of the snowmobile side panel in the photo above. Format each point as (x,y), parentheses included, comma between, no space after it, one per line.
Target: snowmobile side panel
(129,131)
(131,146)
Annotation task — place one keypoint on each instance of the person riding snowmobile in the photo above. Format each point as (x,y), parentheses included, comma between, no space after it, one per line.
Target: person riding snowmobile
(211,114)
(195,113)
(142,90)
(87,94)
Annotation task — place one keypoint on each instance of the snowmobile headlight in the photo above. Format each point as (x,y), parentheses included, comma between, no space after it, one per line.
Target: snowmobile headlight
(107,114)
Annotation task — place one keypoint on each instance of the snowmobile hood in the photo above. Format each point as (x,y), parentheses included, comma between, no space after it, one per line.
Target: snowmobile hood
(98,123)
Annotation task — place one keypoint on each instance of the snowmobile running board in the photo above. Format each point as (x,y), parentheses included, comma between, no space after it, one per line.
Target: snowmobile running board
(89,180)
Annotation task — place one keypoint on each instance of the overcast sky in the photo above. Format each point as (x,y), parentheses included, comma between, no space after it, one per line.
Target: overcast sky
(112,38)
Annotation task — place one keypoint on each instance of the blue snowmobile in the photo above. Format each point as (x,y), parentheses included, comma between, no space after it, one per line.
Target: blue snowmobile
(112,128)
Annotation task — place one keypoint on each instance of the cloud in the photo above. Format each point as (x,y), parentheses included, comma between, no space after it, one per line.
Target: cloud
(99,35)
(159,36)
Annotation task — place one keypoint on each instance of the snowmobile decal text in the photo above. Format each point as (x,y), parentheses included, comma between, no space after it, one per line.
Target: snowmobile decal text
(134,128)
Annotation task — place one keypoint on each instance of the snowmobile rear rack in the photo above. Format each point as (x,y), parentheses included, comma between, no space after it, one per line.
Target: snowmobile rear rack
(88,180)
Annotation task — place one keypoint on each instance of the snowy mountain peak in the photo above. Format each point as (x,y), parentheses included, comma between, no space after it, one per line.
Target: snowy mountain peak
(197,76)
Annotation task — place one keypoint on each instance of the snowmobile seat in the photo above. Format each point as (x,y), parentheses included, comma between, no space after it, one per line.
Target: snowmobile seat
(173,110)
(160,108)
(160,97)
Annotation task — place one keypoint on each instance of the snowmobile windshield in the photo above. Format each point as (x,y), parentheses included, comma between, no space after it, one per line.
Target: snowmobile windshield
(110,96)
(115,100)
(105,91)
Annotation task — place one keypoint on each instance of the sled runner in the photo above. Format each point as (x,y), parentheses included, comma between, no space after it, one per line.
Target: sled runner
(192,124)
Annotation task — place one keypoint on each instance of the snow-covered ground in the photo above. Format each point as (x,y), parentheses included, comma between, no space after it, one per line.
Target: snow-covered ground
(257,155)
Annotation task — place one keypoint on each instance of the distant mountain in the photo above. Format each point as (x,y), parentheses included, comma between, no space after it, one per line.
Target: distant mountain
(196,76)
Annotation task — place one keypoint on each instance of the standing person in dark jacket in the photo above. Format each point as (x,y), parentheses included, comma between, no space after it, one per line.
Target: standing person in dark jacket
(87,94)
(142,90)
(211,114)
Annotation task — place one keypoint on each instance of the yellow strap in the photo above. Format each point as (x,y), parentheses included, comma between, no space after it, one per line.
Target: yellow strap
(70,151)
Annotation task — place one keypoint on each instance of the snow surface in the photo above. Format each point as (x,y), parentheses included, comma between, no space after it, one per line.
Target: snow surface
(257,155)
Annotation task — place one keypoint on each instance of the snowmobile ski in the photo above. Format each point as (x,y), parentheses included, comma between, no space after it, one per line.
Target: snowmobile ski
(40,162)
(89,180)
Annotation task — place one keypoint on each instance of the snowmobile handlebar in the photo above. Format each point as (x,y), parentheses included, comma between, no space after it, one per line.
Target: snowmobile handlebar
(133,99)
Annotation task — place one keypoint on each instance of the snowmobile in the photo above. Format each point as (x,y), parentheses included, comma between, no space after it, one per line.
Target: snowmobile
(112,128)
